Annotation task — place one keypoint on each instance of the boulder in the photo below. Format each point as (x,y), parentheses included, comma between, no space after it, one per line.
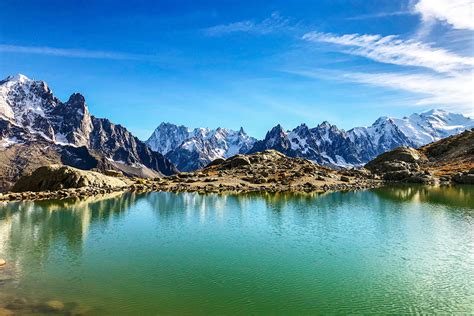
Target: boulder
(239,161)
(215,162)
(55,305)
(113,173)
(401,158)
(463,178)
(420,177)
(397,175)
(345,179)
(57,177)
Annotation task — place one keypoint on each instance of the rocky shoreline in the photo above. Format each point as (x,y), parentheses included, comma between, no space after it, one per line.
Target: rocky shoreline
(167,186)
(267,171)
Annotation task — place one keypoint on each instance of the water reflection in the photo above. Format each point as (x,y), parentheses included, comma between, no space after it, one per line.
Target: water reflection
(173,249)
(456,197)
(41,223)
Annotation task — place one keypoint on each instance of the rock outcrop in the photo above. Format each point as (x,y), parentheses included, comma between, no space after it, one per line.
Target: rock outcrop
(449,159)
(57,177)
(401,164)
(269,170)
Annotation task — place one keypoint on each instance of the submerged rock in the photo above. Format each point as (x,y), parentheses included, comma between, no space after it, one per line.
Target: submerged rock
(55,305)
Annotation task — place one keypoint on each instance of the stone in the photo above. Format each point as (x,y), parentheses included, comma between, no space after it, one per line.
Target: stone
(345,179)
(419,177)
(396,175)
(55,305)
(401,158)
(239,161)
(113,173)
(463,178)
(57,177)
(5,312)
(2,262)
(215,162)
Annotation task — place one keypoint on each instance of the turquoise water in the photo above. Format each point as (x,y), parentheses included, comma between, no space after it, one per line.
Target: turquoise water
(390,250)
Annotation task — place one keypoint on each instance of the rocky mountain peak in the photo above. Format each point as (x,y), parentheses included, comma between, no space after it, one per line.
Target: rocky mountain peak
(38,116)
(276,131)
(77,98)
(190,149)
(18,78)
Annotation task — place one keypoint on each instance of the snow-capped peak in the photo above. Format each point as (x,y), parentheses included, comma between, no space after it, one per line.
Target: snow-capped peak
(19,78)
(180,143)
(24,101)
(432,125)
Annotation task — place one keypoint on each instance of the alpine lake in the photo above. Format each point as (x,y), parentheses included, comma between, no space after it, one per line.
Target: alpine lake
(392,250)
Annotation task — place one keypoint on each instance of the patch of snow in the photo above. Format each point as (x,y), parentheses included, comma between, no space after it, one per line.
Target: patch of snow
(8,141)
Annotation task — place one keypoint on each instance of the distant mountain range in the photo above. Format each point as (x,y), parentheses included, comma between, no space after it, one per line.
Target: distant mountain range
(326,144)
(191,149)
(37,128)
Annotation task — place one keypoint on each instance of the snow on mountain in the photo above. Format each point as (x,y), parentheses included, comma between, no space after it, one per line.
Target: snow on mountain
(30,112)
(328,145)
(190,149)
(432,125)
(29,107)
(325,144)
(167,137)
(27,103)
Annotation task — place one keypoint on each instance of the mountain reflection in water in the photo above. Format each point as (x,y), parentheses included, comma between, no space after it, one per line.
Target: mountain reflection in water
(397,249)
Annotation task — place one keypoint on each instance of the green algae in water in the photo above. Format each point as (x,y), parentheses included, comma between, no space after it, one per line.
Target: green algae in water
(407,249)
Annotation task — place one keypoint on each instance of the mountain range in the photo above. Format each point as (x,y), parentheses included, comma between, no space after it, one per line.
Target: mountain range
(37,128)
(326,144)
(191,149)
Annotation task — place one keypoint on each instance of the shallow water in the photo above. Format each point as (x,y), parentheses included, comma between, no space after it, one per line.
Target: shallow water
(390,250)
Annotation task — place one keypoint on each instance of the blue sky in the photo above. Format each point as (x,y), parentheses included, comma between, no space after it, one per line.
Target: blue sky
(245,63)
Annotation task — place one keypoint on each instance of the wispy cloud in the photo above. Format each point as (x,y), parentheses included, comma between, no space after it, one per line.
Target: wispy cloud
(448,81)
(453,92)
(392,50)
(458,13)
(77,53)
(269,25)
(380,15)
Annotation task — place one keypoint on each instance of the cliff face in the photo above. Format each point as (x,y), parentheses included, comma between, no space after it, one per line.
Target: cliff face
(36,129)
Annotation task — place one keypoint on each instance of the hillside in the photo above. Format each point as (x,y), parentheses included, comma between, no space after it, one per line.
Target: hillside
(449,159)
(452,154)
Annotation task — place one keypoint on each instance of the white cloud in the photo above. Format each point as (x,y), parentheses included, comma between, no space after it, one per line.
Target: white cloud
(273,23)
(458,13)
(448,83)
(65,52)
(453,92)
(390,49)
(380,15)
